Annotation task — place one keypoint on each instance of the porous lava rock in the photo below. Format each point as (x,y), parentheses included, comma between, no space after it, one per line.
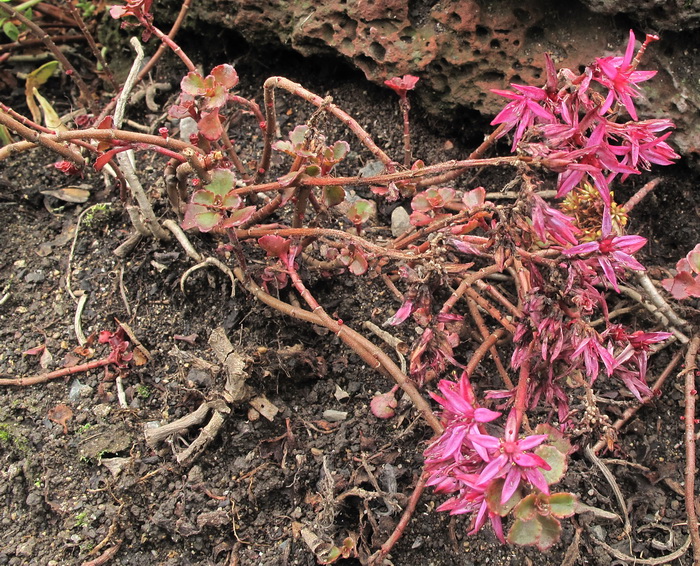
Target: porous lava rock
(461,49)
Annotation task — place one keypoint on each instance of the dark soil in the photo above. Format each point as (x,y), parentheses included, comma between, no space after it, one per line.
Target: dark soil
(66,496)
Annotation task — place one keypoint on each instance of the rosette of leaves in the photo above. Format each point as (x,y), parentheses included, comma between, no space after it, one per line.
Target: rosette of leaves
(354,259)
(537,519)
(427,206)
(360,212)
(216,206)
(203,97)
(309,145)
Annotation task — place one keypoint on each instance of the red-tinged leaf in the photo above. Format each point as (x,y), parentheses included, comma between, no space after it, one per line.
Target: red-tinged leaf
(360,211)
(474,198)
(359,265)
(333,195)
(222,181)
(693,259)
(680,285)
(289,178)
(340,150)
(238,217)
(195,84)
(61,414)
(297,136)
(556,461)
(207,221)
(525,532)
(527,508)
(225,75)
(107,123)
(275,246)
(35,351)
(419,219)
(550,531)
(493,498)
(421,203)
(210,125)
(216,98)
(204,198)
(562,505)
(107,156)
(383,406)
(191,211)
(231,200)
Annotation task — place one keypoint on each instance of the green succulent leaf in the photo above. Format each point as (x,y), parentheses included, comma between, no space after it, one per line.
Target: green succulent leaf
(313,170)
(222,181)
(231,200)
(297,135)
(493,498)
(195,84)
(361,211)
(333,195)
(555,459)
(39,76)
(204,198)
(525,532)
(556,436)
(562,504)
(539,531)
(284,146)
(550,531)
(340,150)
(527,508)
(10,30)
(207,221)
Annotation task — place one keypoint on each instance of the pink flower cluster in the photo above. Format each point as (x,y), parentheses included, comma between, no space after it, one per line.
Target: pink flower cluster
(564,345)
(578,125)
(467,463)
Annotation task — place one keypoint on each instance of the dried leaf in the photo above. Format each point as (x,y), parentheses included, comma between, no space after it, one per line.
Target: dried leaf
(51,118)
(61,414)
(46,359)
(340,394)
(69,194)
(265,407)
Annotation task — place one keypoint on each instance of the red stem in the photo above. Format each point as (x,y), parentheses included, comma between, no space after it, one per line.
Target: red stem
(690,467)
(55,374)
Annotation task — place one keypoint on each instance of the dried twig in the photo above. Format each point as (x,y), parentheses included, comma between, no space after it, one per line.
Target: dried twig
(613,484)
(645,561)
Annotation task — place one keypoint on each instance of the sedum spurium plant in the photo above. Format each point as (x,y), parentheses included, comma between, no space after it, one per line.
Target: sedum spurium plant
(532,270)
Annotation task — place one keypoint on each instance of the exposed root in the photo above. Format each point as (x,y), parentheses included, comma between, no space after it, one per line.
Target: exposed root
(209,261)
